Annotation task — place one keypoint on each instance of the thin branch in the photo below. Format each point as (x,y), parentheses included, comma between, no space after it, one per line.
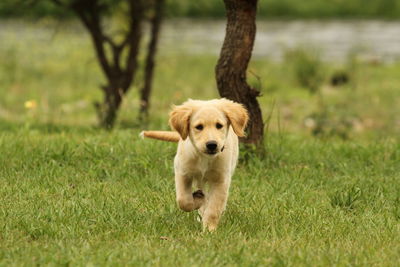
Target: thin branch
(151,54)
(116,53)
(133,39)
(92,22)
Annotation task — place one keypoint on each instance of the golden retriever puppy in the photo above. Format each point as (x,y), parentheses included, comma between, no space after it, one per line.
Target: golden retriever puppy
(207,132)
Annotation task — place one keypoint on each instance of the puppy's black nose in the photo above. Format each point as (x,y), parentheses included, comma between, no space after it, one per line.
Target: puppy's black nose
(211,145)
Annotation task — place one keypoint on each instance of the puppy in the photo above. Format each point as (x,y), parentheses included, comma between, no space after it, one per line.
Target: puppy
(207,132)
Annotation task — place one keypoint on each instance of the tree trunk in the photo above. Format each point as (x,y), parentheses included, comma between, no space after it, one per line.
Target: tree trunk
(234,59)
(151,53)
(107,111)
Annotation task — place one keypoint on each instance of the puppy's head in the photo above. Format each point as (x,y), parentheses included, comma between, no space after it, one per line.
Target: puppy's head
(207,123)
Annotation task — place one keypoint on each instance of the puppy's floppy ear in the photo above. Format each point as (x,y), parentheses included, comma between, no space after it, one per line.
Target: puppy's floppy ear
(236,114)
(179,119)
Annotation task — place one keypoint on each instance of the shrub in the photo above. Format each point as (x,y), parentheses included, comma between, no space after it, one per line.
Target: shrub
(307,67)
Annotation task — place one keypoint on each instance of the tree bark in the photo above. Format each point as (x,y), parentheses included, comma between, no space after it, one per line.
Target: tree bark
(233,62)
(150,59)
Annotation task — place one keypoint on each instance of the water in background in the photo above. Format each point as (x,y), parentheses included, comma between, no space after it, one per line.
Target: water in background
(335,39)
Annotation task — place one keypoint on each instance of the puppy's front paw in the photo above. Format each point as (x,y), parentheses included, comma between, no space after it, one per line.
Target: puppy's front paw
(210,221)
(198,198)
(207,227)
(198,194)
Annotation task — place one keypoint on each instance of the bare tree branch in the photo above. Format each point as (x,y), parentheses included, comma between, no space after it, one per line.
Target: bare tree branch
(92,22)
(150,58)
(136,15)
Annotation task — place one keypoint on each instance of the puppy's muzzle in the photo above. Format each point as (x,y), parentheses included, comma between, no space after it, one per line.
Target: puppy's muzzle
(211,147)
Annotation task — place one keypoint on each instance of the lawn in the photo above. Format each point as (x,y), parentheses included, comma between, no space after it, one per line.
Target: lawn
(73,194)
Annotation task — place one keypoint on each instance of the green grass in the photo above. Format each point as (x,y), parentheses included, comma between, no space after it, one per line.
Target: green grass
(74,194)
(89,197)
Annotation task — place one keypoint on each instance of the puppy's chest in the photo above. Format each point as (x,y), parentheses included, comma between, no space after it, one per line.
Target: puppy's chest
(204,170)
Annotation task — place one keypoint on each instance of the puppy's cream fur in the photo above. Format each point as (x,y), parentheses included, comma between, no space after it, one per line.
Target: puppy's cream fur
(200,123)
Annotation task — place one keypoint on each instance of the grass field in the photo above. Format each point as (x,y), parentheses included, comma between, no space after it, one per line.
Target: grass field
(72,194)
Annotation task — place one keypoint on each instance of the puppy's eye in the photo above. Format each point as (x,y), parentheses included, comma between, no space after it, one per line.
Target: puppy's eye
(199,127)
(219,125)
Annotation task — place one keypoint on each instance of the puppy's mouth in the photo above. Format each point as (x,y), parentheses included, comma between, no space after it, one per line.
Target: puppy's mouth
(213,152)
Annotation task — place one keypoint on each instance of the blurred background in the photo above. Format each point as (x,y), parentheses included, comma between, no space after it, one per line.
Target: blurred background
(328,69)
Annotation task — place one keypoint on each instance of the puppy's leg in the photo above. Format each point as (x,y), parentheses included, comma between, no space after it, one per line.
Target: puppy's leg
(200,195)
(199,199)
(184,197)
(203,206)
(216,203)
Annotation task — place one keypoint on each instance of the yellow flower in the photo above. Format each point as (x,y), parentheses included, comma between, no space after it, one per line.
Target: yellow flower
(30,104)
